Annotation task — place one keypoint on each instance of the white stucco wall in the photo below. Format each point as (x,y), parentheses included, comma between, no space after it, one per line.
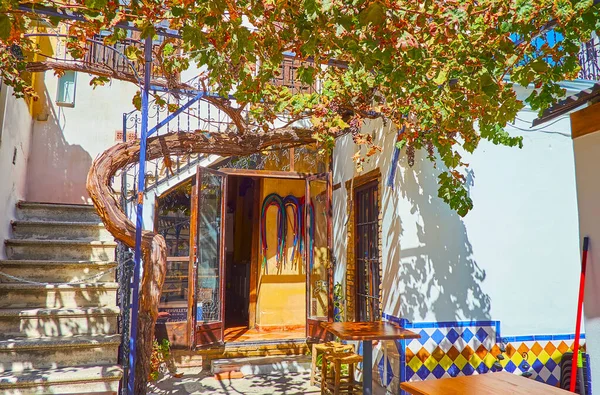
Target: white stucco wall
(15,134)
(513,258)
(64,145)
(587,163)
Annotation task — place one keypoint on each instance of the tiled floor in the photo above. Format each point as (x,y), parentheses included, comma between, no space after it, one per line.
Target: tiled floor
(242,333)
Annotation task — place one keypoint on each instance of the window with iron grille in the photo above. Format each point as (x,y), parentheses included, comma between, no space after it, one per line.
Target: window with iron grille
(366,206)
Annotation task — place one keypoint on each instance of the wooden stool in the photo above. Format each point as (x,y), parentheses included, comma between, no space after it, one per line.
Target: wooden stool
(324,348)
(335,383)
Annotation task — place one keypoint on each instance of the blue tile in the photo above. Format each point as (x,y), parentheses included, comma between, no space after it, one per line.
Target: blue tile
(552,380)
(468,370)
(409,373)
(482,368)
(481,335)
(438,371)
(551,365)
(453,370)
(424,336)
(538,378)
(537,365)
(510,367)
(437,336)
(423,372)
(467,335)
(452,336)
(390,373)
(380,368)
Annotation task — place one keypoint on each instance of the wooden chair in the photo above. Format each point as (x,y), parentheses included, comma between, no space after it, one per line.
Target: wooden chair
(322,349)
(333,382)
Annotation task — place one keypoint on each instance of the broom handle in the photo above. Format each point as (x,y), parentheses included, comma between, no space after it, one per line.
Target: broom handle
(574,364)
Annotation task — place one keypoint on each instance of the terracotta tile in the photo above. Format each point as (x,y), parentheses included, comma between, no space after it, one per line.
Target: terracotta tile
(453,353)
(438,354)
(481,352)
(495,351)
(467,352)
(423,354)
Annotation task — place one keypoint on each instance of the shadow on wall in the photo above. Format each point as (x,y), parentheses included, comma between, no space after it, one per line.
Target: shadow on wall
(438,280)
(57,171)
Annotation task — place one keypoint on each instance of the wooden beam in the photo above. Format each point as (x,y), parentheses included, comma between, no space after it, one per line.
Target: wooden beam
(585,121)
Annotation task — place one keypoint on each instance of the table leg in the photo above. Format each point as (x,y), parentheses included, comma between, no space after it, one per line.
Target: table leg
(367,367)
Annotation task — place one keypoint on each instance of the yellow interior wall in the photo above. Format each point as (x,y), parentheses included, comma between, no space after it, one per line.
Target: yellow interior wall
(281,292)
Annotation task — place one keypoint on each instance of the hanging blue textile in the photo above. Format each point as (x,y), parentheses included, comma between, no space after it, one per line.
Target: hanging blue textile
(293,202)
(311,232)
(273,200)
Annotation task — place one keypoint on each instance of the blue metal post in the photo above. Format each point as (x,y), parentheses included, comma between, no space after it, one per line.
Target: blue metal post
(139,220)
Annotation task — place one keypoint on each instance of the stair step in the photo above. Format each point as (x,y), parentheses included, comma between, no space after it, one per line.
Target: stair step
(21,354)
(35,323)
(262,365)
(60,249)
(72,380)
(60,230)
(57,212)
(22,295)
(57,271)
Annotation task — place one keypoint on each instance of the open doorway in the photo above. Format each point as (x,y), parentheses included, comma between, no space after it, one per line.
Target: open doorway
(243,245)
(240,215)
(265,279)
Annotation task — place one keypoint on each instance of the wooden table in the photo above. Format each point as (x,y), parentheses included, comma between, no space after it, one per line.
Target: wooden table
(367,332)
(482,384)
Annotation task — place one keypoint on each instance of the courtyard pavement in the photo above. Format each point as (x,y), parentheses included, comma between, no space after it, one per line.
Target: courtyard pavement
(194,381)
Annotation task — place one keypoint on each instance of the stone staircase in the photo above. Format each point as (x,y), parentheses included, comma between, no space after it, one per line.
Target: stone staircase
(59,338)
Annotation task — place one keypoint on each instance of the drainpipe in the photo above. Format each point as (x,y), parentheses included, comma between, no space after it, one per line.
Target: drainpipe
(139,219)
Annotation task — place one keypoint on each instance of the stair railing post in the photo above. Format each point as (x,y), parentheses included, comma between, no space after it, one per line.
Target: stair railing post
(139,217)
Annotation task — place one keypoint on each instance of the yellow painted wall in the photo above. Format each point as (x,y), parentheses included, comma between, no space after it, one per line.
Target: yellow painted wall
(282,292)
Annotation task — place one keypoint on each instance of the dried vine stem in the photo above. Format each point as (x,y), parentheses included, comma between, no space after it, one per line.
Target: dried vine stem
(154,247)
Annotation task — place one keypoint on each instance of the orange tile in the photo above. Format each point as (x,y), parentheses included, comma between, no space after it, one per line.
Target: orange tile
(550,348)
(563,347)
(523,349)
(481,351)
(510,350)
(438,353)
(453,353)
(536,349)
(423,354)
(467,352)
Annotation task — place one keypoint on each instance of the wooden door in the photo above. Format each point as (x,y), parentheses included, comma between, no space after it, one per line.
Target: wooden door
(318,254)
(209,300)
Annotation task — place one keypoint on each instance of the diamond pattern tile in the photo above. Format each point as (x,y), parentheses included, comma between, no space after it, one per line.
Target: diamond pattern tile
(549,348)
(437,336)
(452,335)
(536,349)
(465,350)
(467,335)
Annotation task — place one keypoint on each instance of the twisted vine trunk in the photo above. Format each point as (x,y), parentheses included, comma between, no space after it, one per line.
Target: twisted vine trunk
(154,250)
